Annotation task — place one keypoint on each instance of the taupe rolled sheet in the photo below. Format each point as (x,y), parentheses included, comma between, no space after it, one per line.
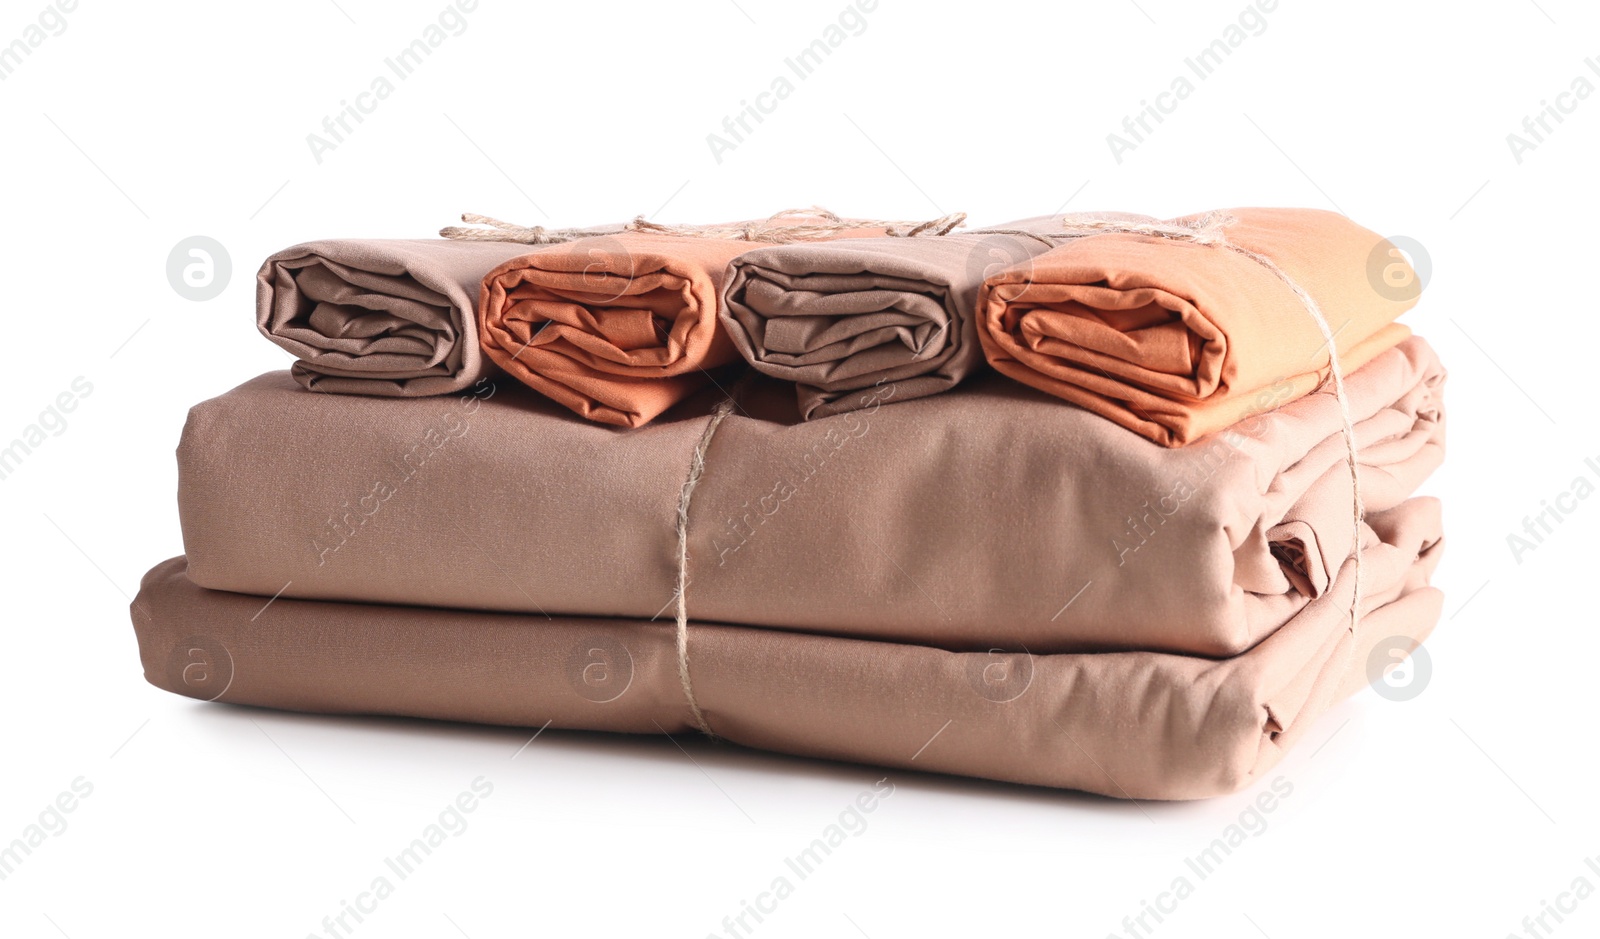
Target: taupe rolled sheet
(989,516)
(849,322)
(1141,725)
(395,318)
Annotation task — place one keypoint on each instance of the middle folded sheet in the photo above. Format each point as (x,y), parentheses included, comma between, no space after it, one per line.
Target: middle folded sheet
(992,516)
(847,319)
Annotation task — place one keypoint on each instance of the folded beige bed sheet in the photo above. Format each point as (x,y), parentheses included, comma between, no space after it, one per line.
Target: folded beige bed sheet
(372,316)
(1141,725)
(988,515)
(852,321)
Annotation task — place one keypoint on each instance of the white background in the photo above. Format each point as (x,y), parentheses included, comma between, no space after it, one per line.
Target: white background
(1456,813)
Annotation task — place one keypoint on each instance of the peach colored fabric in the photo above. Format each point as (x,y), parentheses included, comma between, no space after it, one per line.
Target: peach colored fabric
(1140,725)
(991,515)
(1175,340)
(618,328)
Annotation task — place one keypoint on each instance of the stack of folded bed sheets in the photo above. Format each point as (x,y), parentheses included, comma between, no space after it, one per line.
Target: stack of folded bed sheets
(1044,502)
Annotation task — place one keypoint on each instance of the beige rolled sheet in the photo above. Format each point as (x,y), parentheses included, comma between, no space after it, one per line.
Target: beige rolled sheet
(389,317)
(1141,725)
(989,516)
(851,321)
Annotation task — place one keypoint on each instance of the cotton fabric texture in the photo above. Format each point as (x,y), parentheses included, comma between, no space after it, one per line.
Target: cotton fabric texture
(1139,725)
(1174,340)
(990,516)
(395,318)
(850,321)
(617,328)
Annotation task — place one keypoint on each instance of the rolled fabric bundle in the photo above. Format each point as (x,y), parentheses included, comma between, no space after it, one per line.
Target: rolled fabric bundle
(384,317)
(855,322)
(616,328)
(619,328)
(1130,725)
(1174,340)
(991,516)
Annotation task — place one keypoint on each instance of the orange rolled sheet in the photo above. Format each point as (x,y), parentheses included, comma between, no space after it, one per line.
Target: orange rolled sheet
(617,327)
(1176,340)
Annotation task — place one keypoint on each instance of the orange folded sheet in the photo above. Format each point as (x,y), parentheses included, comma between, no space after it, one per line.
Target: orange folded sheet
(1175,340)
(617,327)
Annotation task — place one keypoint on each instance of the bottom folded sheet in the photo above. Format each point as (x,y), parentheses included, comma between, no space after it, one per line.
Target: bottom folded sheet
(1140,725)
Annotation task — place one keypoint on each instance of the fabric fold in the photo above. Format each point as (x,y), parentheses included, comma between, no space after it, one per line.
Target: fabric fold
(1130,725)
(395,318)
(989,517)
(1176,340)
(617,328)
(858,321)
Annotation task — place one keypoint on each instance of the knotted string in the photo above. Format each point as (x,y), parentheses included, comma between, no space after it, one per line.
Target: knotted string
(1201,230)
(780,228)
(519,234)
(829,226)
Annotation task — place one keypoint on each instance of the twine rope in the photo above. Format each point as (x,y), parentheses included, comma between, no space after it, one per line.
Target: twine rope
(1205,230)
(697,467)
(780,228)
(497,230)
